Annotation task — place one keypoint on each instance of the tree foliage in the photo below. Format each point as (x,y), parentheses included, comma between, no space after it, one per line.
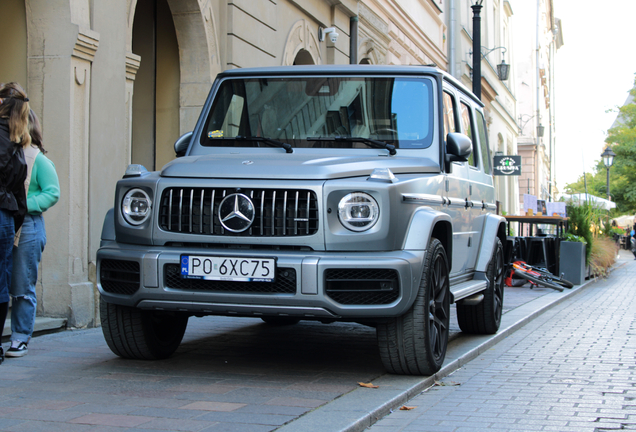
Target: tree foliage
(622,140)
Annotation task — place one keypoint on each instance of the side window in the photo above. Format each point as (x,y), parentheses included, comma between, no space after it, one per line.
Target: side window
(449,115)
(483,142)
(468,130)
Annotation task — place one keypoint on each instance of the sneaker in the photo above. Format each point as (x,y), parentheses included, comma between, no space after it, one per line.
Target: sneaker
(19,351)
(1,355)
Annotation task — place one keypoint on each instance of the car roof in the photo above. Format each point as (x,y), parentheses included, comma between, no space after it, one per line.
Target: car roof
(366,70)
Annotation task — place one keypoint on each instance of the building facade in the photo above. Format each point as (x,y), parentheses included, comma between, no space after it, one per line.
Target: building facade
(498,95)
(538,35)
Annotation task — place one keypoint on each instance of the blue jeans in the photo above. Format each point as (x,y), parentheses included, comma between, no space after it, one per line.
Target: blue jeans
(26,258)
(7,231)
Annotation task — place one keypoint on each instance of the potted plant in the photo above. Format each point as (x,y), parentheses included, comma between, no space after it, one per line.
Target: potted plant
(575,249)
(573,254)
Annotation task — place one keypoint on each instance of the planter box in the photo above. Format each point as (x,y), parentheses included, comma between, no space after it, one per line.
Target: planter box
(572,261)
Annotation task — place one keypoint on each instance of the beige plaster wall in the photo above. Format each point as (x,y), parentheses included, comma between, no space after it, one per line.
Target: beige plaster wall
(13,34)
(416,31)
(271,33)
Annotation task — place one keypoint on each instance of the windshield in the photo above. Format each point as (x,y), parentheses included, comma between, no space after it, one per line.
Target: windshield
(306,112)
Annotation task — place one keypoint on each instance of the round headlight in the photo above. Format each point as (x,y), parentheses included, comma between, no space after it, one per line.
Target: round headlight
(136,206)
(358,211)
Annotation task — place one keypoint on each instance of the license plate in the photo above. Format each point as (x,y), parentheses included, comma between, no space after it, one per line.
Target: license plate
(240,269)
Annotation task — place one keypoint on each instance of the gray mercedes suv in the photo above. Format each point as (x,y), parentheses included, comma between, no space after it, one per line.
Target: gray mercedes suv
(327,193)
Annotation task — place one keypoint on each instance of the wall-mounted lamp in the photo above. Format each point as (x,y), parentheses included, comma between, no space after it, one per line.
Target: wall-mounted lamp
(503,69)
(540,130)
(331,31)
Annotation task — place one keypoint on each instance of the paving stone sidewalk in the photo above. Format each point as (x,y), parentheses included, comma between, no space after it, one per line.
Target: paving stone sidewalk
(571,369)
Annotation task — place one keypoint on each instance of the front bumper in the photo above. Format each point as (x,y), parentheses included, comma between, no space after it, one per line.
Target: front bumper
(309,285)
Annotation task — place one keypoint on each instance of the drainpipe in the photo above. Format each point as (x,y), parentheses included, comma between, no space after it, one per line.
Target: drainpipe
(476,50)
(551,111)
(353,40)
(451,40)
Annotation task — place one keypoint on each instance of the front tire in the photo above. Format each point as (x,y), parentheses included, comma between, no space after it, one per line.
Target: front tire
(140,334)
(485,317)
(416,342)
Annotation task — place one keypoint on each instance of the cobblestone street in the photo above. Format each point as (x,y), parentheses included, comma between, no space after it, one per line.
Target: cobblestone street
(572,369)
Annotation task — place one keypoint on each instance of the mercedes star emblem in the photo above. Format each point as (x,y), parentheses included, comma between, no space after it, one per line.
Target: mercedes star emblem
(236,212)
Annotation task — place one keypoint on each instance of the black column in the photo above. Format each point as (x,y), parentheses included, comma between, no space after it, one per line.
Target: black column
(477,50)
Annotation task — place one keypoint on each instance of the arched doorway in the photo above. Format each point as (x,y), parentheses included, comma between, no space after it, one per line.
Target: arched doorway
(303,58)
(301,47)
(155,110)
(13,49)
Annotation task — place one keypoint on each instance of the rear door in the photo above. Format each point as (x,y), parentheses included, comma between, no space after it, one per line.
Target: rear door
(483,191)
(457,187)
(475,176)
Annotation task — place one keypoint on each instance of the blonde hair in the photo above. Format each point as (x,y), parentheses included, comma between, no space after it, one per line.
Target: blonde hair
(15,107)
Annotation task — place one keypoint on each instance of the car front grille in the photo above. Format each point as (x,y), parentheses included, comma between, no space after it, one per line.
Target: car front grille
(362,286)
(277,212)
(285,283)
(119,276)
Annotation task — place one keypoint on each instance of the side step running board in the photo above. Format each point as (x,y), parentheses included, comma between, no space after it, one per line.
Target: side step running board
(466,289)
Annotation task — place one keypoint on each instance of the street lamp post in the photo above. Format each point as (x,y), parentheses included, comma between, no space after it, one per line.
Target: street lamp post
(608,160)
(477,48)
(503,69)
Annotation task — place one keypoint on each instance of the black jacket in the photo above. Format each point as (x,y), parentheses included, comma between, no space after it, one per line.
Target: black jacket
(13,171)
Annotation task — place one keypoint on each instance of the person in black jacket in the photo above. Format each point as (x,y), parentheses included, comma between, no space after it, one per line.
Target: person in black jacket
(14,136)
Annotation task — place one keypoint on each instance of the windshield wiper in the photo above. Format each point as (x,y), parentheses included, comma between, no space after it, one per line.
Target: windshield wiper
(368,141)
(268,141)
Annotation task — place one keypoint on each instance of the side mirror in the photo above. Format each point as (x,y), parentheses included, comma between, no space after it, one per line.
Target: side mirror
(181,145)
(458,149)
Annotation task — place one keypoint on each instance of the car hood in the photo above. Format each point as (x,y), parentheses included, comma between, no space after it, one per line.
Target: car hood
(292,166)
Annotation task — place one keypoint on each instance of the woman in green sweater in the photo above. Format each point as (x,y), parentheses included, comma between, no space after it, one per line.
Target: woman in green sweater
(43,191)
